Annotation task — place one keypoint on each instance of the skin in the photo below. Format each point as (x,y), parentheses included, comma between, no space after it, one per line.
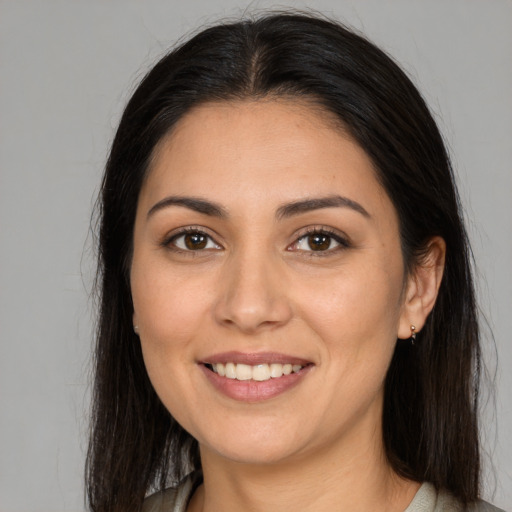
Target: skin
(258,287)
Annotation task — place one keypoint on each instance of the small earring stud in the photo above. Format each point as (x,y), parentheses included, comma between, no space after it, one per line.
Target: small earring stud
(413,334)
(136,329)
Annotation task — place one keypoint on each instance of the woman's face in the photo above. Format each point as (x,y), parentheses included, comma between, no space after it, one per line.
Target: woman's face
(264,244)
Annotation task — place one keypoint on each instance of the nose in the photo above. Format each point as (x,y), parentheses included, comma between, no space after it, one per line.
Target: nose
(252,296)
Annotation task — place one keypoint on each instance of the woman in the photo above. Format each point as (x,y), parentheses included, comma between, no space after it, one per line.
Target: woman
(287,308)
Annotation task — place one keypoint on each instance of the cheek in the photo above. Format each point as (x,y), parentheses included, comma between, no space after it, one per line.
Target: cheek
(354,316)
(362,300)
(168,306)
(168,310)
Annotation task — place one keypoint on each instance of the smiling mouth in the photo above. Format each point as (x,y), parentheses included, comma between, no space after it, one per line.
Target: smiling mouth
(258,372)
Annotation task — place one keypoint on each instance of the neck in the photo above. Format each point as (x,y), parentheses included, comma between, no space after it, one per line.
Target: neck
(352,478)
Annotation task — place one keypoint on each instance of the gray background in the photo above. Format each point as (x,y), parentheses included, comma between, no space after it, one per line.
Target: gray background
(66,70)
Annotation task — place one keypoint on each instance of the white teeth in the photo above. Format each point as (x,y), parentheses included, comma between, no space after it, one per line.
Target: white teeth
(230,371)
(259,372)
(276,370)
(243,372)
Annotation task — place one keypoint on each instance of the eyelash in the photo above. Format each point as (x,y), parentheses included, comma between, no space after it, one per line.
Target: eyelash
(343,242)
(170,241)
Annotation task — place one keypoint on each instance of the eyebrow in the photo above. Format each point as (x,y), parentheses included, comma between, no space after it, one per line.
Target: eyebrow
(307,205)
(212,209)
(192,203)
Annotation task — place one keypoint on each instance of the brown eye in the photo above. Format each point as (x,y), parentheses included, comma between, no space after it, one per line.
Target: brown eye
(319,242)
(195,241)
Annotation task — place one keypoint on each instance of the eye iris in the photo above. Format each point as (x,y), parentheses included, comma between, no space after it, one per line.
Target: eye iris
(195,241)
(319,242)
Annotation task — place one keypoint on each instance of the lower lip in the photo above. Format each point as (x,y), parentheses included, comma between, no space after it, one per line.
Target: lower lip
(252,390)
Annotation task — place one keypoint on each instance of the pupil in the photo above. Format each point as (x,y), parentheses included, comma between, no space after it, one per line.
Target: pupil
(319,242)
(195,241)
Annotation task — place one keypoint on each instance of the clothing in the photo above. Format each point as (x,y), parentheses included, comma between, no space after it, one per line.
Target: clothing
(427,499)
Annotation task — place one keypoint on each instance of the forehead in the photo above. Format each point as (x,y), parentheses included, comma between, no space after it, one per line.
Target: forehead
(261,149)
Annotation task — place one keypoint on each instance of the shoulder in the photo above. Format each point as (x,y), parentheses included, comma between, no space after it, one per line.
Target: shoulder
(428,499)
(483,506)
(174,499)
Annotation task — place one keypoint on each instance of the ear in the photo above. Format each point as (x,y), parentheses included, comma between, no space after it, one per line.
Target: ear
(422,288)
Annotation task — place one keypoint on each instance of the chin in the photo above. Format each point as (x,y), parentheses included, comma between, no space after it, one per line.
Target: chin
(254,448)
(249,455)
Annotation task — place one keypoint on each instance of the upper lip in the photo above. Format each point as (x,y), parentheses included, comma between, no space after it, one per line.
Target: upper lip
(254,358)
